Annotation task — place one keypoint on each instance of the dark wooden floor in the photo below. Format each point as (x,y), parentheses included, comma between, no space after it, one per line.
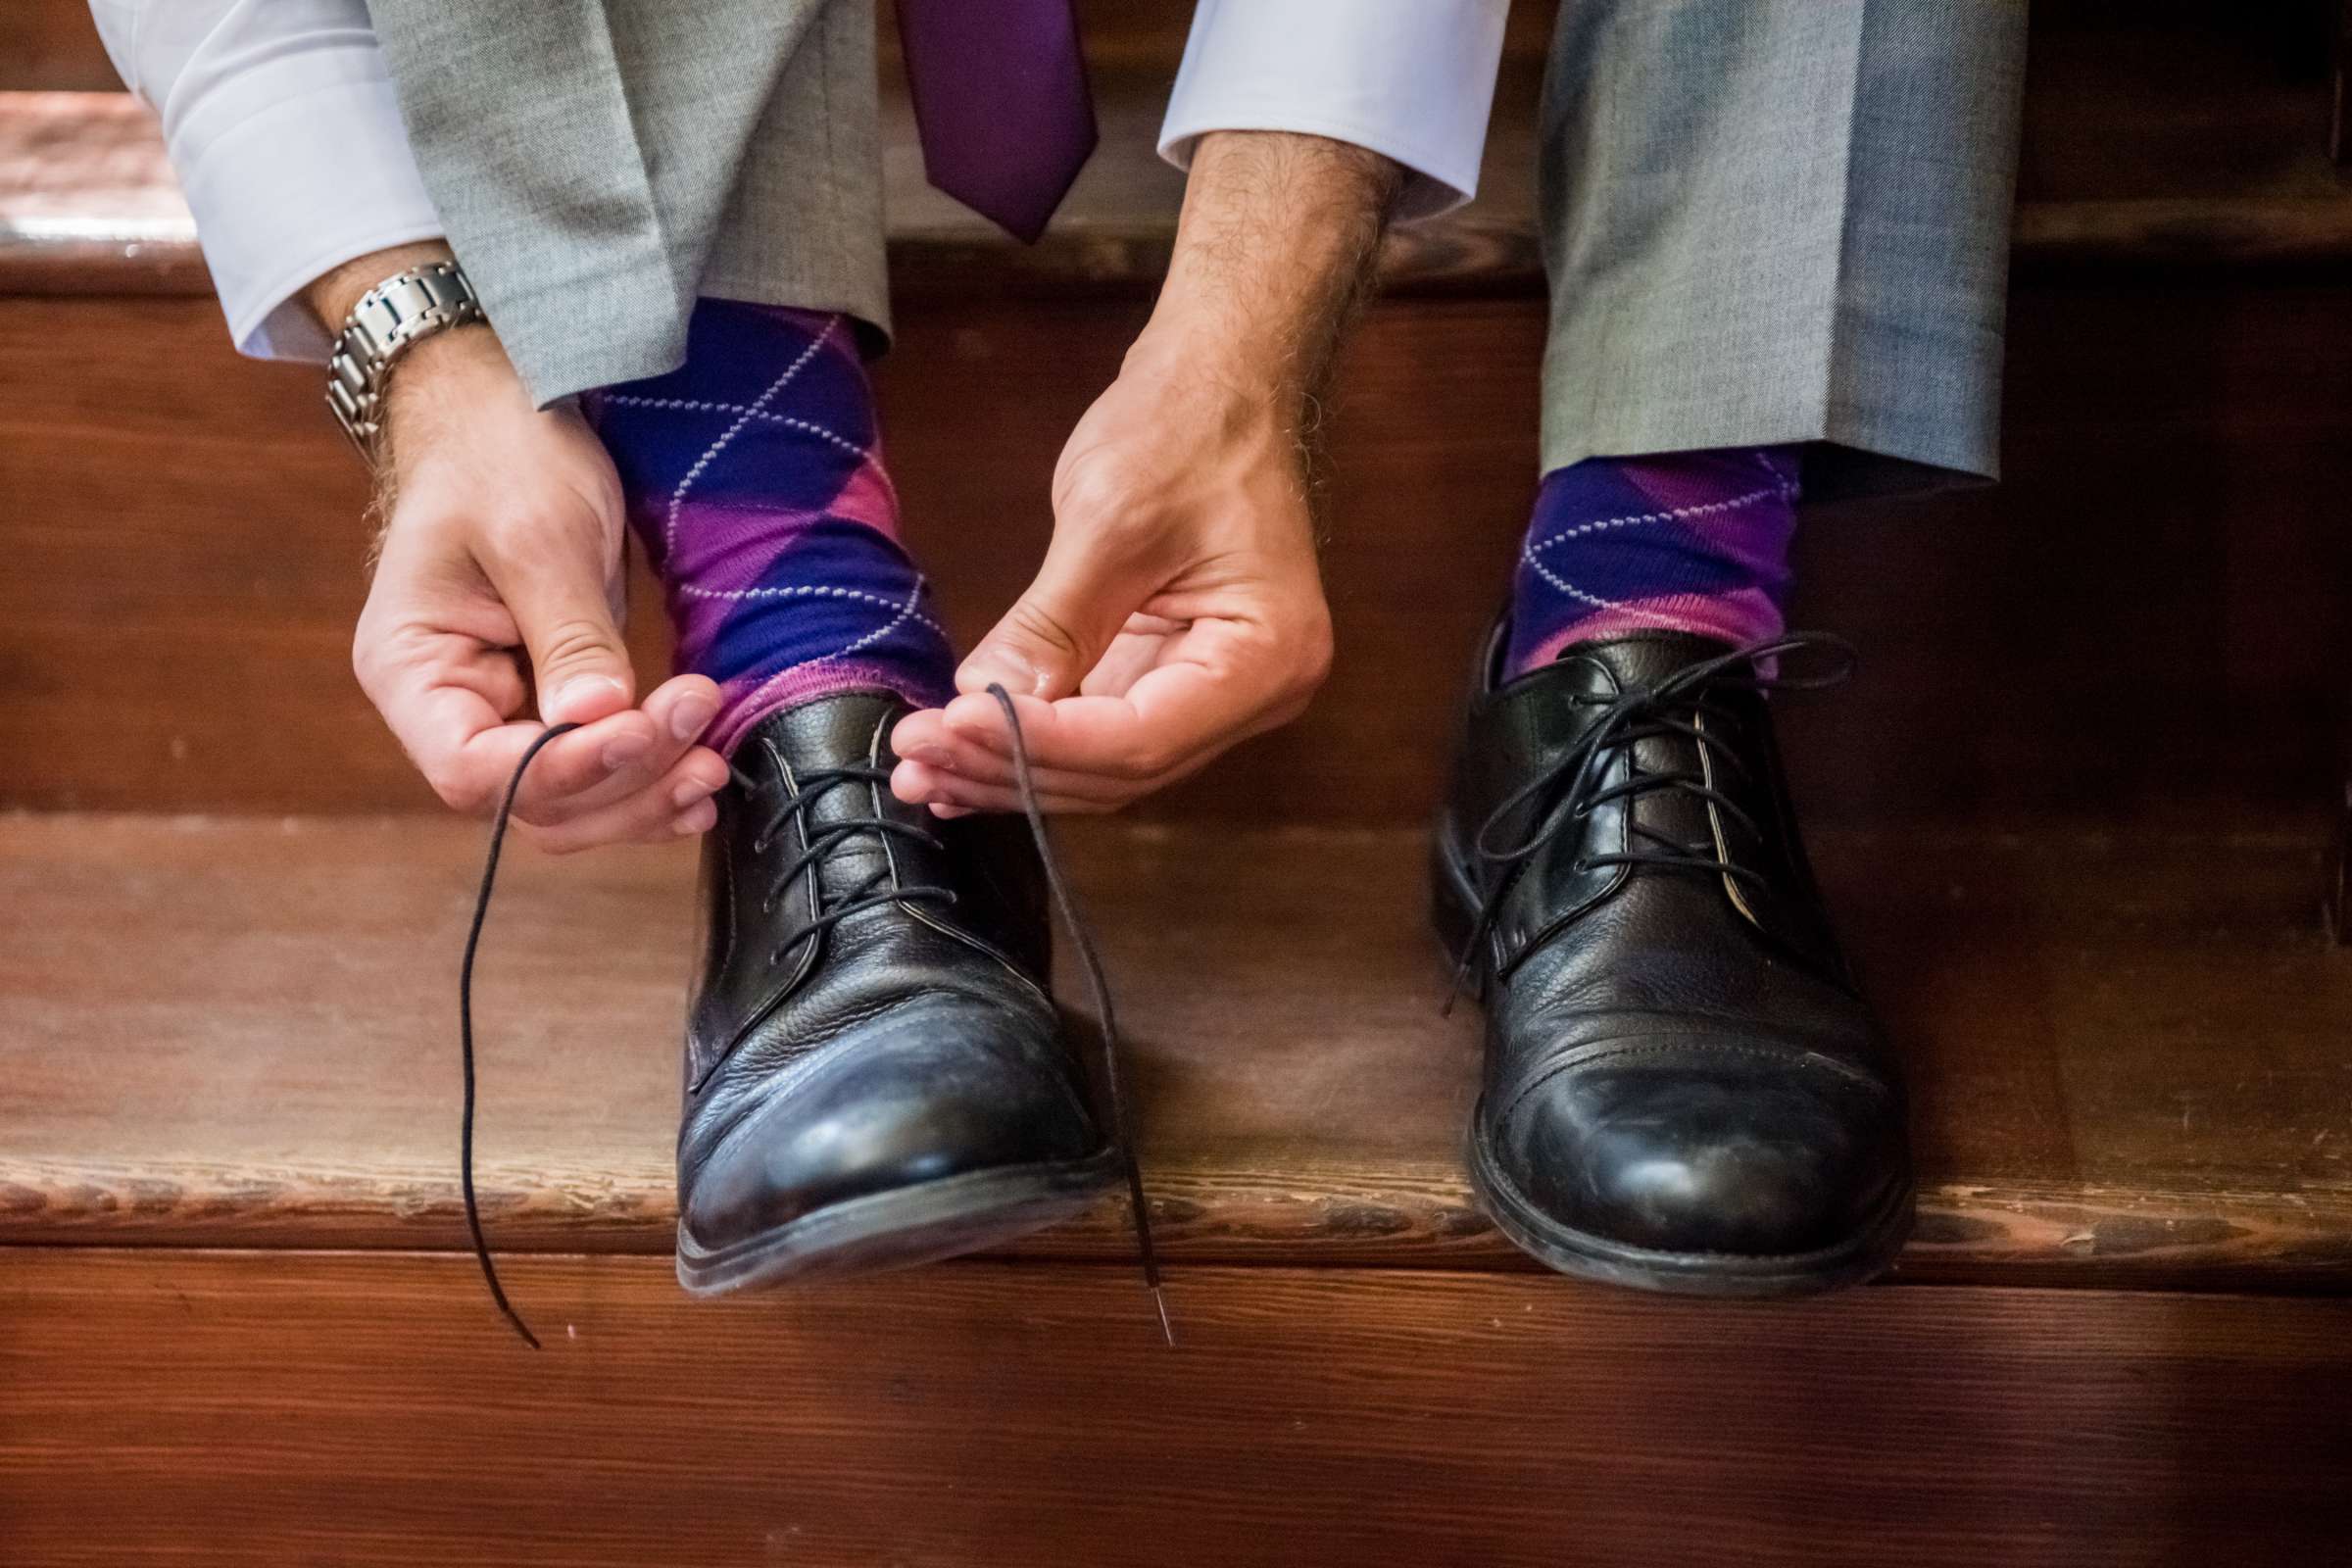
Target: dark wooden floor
(1001,1414)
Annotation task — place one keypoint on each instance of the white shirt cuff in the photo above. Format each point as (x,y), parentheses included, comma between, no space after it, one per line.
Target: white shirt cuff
(301,167)
(1410,79)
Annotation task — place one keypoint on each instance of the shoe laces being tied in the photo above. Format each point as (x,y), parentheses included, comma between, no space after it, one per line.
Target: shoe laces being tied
(878,888)
(873,893)
(1572,788)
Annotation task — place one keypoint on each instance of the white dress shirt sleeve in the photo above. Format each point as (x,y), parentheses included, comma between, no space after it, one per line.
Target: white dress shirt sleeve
(281,124)
(1411,80)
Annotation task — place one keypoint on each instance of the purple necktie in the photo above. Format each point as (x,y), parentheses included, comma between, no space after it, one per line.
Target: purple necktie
(1000,102)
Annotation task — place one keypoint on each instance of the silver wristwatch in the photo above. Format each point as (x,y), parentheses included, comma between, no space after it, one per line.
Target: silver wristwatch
(391,319)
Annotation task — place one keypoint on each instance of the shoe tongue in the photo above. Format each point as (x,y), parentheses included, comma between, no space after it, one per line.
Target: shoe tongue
(837,732)
(851,729)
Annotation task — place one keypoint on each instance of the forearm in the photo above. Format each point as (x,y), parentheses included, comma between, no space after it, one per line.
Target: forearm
(1274,254)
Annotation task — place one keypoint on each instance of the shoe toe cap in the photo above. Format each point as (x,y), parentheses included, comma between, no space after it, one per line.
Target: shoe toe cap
(1706,1151)
(915,1098)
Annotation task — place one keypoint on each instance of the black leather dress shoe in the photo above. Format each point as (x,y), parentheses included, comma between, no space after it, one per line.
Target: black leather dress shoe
(1684,1091)
(875,1073)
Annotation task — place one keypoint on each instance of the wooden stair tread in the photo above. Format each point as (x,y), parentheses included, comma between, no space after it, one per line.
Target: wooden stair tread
(241,1032)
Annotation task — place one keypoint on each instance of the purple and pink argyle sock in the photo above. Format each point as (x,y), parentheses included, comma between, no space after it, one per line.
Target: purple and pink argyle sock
(1691,541)
(754,476)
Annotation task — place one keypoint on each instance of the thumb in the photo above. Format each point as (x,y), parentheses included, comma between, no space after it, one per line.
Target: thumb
(580,663)
(1058,630)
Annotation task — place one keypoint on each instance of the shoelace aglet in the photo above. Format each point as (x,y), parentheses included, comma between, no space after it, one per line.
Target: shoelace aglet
(1167,1330)
(1462,976)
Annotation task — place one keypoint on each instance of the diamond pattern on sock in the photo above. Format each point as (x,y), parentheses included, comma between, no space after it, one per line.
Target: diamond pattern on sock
(1691,542)
(754,478)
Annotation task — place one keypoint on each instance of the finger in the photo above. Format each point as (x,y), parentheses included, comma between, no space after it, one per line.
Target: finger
(556,586)
(932,788)
(975,763)
(699,767)
(1058,629)
(1174,719)
(924,727)
(1130,656)
(436,692)
(683,707)
(924,737)
(684,795)
(675,711)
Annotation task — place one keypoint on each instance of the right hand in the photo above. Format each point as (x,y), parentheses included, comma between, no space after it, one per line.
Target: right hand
(499,578)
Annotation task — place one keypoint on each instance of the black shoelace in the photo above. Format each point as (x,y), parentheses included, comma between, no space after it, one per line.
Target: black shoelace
(872,893)
(1122,1131)
(1571,789)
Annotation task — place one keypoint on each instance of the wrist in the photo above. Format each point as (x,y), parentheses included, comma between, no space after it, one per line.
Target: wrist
(1202,331)
(449,385)
(333,295)
(1216,383)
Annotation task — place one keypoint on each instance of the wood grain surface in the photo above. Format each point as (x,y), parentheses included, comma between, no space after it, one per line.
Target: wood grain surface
(223,1032)
(2147,617)
(314,1408)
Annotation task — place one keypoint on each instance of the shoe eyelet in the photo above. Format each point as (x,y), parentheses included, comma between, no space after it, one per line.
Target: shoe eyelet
(759,846)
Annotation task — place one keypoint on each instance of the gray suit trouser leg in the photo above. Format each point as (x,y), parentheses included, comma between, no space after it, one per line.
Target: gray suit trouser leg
(599,163)
(1781,220)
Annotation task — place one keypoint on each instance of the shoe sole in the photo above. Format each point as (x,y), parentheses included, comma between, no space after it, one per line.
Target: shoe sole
(902,1228)
(1851,1260)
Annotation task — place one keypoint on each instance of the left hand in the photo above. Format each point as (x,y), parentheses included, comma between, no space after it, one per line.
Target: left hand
(1179,609)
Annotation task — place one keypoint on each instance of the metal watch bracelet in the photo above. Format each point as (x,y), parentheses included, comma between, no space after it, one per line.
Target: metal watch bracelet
(389,319)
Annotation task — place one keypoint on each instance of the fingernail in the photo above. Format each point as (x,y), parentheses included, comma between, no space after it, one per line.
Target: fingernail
(622,753)
(693,790)
(700,819)
(984,669)
(692,717)
(579,689)
(934,757)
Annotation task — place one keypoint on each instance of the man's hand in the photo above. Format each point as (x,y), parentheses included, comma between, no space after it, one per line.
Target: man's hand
(498,581)
(1179,609)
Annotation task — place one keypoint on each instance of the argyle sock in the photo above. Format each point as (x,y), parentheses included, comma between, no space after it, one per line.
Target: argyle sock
(754,477)
(1691,541)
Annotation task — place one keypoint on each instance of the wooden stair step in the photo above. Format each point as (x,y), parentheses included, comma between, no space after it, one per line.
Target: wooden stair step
(240,1033)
